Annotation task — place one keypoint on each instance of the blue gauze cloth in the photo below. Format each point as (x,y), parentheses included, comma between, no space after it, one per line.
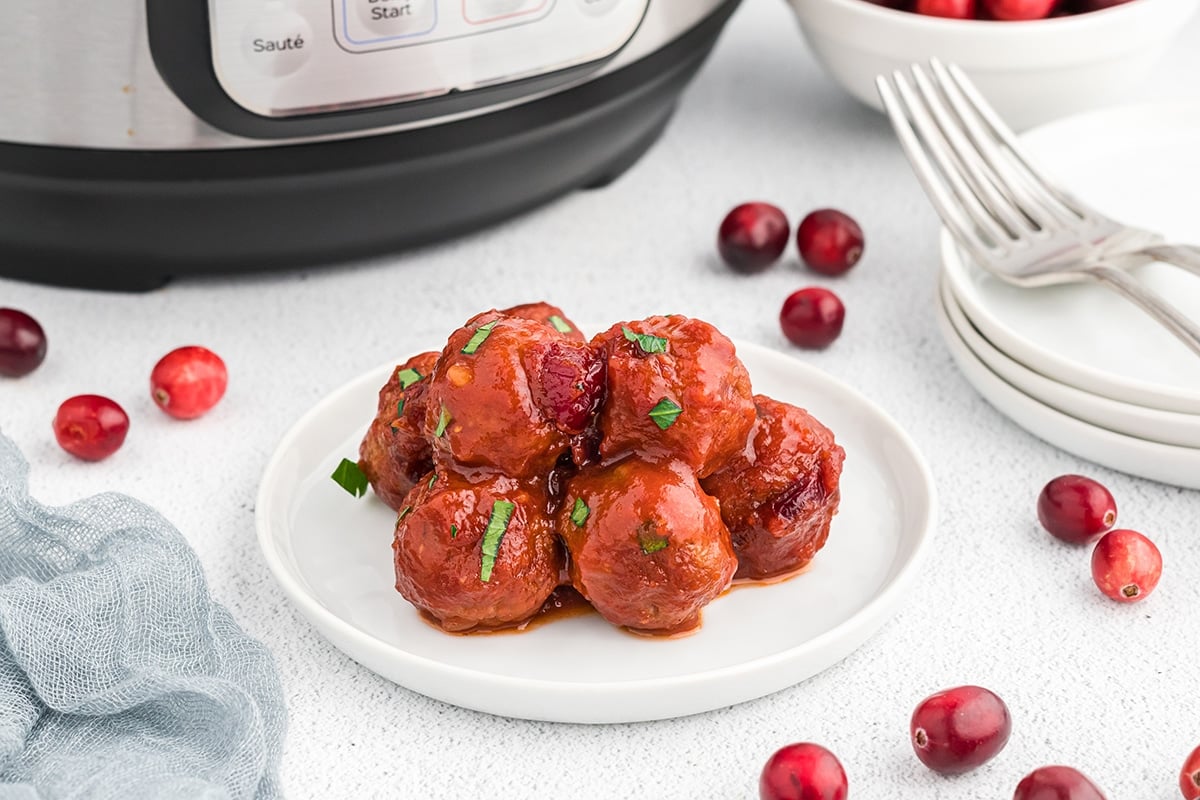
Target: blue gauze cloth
(119,676)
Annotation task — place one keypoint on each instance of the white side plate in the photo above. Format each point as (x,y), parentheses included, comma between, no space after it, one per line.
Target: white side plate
(332,555)
(1166,427)
(1178,466)
(1140,165)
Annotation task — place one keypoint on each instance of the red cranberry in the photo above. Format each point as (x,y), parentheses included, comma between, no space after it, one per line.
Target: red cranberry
(829,241)
(1019,9)
(803,771)
(957,730)
(1057,783)
(90,427)
(1126,565)
(1076,509)
(569,384)
(1189,776)
(955,9)
(812,317)
(22,343)
(188,381)
(753,236)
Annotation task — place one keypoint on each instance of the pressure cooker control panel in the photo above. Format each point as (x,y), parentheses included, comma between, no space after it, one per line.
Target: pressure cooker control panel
(284,58)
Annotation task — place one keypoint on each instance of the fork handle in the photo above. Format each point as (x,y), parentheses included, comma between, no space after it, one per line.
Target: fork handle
(1186,330)
(1183,256)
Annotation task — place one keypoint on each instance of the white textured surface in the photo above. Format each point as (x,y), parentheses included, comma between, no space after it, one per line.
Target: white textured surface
(1111,690)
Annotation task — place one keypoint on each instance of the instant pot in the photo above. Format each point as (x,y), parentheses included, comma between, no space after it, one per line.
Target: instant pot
(142,139)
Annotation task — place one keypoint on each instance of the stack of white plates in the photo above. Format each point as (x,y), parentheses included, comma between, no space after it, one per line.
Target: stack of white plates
(1077,365)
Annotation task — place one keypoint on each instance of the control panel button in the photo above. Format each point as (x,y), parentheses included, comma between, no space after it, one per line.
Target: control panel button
(278,42)
(598,8)
(477,11)
(395,18)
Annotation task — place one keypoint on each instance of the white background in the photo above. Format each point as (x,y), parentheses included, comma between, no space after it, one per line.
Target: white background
(1113,690)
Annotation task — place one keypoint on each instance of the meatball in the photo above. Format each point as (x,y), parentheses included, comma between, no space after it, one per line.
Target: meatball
(646,547)
(476,555)
(394,453)
(676,390)
(548,315)
(779,496)
(508,393)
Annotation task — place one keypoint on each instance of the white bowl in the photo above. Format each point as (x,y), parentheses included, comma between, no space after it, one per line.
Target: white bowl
(1031,71)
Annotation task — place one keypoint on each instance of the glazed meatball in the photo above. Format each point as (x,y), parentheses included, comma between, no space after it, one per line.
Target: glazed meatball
(646,547)
(676,390)
(779,496)
(507,394)
(394,453)
(547,315)
(476,555)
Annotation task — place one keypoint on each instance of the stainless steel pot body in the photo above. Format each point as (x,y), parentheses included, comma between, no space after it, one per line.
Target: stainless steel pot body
(91,75)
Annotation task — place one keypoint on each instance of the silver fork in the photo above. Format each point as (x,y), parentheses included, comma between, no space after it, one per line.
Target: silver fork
(1001,208)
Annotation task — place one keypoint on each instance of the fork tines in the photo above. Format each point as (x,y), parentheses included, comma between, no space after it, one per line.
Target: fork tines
(981,182)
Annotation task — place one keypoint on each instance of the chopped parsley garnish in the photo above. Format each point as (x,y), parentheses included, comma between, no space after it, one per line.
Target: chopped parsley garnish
(560,324)
(502,511)
(432,480)
(649,538)
(408,376)
(443,421)
(580,512)
(400,409)
(665,413)
(453,531)
(648,343)
(404,512)
(481,333)
(350,477)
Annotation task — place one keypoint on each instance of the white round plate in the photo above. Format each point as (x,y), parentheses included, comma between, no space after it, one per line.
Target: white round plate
(332,555)
(1167,427)
(1178,466)
(1140,165)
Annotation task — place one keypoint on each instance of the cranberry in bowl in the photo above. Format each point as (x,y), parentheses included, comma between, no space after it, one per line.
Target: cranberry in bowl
(1032,71)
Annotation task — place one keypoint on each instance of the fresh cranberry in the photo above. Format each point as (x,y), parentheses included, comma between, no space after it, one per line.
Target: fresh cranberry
(568,386)
(1126,565)
(752,237)
(22,343)
(90,427)
(1057,783)
(1076,509)
(803,771)
(955,9)
(1189,776)
(188,381)
(812,317)
(957,730)
(1013,10)
(829,241)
